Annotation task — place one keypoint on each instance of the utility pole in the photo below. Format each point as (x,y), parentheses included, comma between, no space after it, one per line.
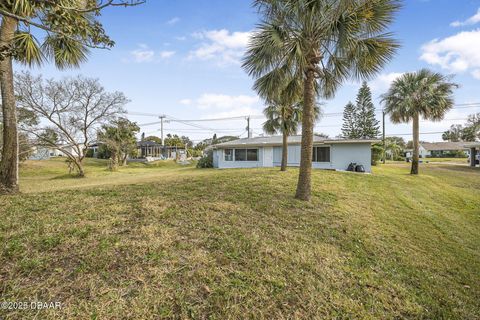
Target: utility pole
(248,127)
(161,128)
(383,135)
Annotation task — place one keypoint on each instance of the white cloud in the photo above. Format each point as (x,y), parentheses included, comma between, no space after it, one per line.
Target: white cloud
(145,54)
(209,101)
(470,21)
(383,81)
(142,54)
(186,101)
(173,21)
(182,38)
(476,74)
(457,53)
(222,105)
(222,45)
(166,54)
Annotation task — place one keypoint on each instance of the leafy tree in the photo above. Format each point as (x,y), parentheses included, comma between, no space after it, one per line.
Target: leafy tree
(152,139)
(73,108)
(468,132)
(454,134)
(423,94)
(120,139)
(70,28)
(174,141)
(395,147)
(349,126)
(323,43)
(366,125)
(186,142)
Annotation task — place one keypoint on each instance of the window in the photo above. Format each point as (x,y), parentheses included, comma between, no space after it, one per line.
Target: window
(252,154)
(240,154)
(321,154)
(228,154)
(246,154)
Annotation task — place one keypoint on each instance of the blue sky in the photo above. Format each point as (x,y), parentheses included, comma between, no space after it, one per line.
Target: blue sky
(181,58)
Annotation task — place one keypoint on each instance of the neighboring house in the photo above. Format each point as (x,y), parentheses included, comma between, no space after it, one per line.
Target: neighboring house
(155,151)
(45,153)
(438,149)
(334,154)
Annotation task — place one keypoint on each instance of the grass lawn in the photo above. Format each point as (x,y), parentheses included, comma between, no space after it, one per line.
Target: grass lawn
(166,241)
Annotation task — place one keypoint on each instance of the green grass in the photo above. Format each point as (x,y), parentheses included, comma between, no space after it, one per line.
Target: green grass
(166,241)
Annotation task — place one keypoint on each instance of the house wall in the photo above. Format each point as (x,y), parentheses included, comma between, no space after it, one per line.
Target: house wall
(220,162)
(341,155)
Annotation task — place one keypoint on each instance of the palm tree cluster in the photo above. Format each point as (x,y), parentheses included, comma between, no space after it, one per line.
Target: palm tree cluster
(312,47)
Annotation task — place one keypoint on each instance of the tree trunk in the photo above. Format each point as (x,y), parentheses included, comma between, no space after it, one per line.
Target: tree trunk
(416,138)
(284,152)
(304,177)
(9,161)
(81,171)
(124,160)
(113,161)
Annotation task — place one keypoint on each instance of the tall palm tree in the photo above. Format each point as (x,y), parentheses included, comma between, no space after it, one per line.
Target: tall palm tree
(423,94)
(323,43)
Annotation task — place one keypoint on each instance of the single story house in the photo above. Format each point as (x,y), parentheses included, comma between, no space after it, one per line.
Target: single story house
(45,153)
(438,149)
(335,154)
(155,151)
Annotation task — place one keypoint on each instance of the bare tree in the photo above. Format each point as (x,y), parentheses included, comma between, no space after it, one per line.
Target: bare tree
(70,111)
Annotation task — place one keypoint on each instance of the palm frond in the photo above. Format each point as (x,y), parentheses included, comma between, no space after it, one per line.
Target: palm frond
(65,52)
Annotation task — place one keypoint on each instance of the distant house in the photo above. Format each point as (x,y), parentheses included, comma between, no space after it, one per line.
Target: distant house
(155,151)
(45,153)
(438,149)
(334,154)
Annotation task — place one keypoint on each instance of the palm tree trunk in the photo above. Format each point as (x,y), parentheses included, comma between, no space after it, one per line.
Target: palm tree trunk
(304,177)
(284,152)
(416,141)
(9,161)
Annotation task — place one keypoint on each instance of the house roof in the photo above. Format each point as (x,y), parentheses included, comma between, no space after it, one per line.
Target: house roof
(471,144)
(439,146)
(277,141)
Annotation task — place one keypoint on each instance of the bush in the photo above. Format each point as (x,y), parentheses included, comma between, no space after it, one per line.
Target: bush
(103,152)
(377,151)
(206,161)
(89,153)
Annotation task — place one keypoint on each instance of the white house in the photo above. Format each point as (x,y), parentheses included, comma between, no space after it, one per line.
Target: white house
(335,154)
(438,149)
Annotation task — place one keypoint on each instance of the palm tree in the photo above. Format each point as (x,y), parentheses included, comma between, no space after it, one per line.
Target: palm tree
(322,43)
(424,94)
(284,119)
(394,149)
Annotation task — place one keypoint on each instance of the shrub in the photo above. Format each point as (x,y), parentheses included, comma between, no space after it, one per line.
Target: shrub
(206,161)
(377,151)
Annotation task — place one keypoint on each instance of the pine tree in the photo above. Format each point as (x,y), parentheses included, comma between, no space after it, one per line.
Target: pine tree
(366,125)
(349,130)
